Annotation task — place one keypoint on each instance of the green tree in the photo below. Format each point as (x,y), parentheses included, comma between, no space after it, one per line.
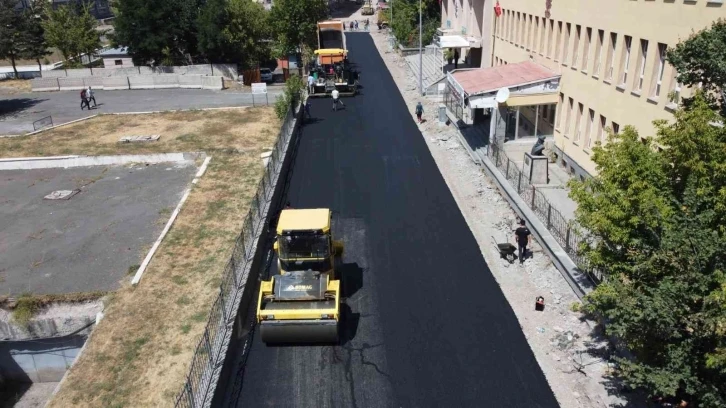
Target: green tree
(10,33)
(156,31)
(657,223)
(72,30)
(294,25)
(700,60)
(290,97)
(234,31)
(34,44)
(406,17)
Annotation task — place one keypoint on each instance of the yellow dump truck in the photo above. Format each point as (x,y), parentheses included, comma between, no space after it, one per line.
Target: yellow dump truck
(331,68)
(301,303)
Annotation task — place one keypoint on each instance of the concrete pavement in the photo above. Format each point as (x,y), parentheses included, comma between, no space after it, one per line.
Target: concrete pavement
(17,112)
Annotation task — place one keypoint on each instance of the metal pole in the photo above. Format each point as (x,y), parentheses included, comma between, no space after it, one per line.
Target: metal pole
(420,50)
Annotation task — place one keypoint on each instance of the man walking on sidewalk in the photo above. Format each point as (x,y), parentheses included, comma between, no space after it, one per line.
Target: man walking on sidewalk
(91,97)
(336,100)
(419,111)
(523,238)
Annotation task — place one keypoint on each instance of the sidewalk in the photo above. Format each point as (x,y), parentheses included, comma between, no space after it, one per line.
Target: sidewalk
(568,349)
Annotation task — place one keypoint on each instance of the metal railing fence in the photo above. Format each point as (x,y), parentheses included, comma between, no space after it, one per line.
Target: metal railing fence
(209,353)
(564,231)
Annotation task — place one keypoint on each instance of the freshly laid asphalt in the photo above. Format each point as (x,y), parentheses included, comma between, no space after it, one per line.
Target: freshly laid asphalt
(18,112)
(427,324)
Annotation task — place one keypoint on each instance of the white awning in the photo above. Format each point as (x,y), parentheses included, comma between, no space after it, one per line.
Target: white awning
(453,41)
(482,102)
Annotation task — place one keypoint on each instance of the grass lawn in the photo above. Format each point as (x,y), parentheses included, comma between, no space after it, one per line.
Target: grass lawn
(140,352)
(14,86)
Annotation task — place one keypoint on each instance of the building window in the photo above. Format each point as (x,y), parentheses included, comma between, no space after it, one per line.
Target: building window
(610,63)
(118,62)
(641,65)
(536,36)
(568,119)
(512,24)
(452,100)
(558,41)
(676,93)
(528,32)
(566,43)
(560,106)
(578,122)
(658,71)
(518,29)
(586,48)
(576,47)
(598,53)
(589,128)
(522,31)
(600,129)
(550,37)
(625,64)
(616,128)
(542,35)
(532,34)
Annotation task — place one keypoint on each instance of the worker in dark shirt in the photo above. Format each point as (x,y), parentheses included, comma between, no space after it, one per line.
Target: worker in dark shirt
(523,238)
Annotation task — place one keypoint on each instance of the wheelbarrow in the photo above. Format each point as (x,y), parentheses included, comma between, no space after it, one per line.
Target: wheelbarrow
(506,250)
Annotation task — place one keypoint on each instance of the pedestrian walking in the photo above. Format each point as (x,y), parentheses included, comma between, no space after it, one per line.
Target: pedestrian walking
(419,111)
(91,97)
(367,24)
(523,238)
(311,83)
(307,109)
(336,100)
(456,58)
(350,27)
(84,100)
(356,25)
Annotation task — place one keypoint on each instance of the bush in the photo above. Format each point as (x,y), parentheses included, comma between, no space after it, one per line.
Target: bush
(290,96)
(26,308)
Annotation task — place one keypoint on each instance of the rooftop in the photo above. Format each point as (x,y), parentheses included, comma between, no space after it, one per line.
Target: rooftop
(485,80)
(114,52)
(308,219)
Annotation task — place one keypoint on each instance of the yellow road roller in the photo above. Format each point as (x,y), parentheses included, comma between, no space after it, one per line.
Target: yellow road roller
(301,303)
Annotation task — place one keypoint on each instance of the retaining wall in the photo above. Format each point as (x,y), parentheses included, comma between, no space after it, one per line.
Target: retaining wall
(166,81)
(115,83)
(44,84)
(141,82)
(78,73)
(39,361)
(210,82)
(70,84)
(190,81)
(94,82)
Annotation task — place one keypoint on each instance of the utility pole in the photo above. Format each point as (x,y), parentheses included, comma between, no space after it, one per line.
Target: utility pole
(420,50)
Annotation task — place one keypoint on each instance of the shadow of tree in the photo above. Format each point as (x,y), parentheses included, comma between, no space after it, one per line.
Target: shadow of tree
(16,107)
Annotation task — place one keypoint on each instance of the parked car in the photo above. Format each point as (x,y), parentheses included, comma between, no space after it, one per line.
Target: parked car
(265,75)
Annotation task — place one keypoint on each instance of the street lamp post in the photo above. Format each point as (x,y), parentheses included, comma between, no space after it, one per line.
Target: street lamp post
(420,50)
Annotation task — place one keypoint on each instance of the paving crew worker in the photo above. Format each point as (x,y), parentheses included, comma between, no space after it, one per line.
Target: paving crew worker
(419,111)
(523,238)
(336,99)
(311,82)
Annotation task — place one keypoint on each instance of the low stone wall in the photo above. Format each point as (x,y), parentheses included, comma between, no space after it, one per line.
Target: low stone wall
(112,83)
(70,84)
(44,84)
(224,70)
(210,82)
(190,81)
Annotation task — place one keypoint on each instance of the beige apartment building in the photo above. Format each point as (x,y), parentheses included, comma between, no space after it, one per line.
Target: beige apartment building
(610,55)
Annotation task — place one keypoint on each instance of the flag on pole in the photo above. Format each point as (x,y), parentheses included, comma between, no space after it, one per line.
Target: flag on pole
(497,9)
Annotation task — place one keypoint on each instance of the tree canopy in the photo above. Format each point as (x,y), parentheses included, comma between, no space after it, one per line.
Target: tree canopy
(657,223)
(234,31)
(294,24)
(403,18)
(700,60)
(10,32)
(72,30)
(157,31)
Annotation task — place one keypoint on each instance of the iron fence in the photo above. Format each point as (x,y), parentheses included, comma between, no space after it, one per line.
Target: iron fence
(209,353)
(43,122)
(565,231)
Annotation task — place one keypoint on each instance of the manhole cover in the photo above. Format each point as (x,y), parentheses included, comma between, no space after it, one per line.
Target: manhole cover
(61,194)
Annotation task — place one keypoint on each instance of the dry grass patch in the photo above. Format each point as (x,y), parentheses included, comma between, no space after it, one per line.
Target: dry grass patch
(14,86)
(139,354)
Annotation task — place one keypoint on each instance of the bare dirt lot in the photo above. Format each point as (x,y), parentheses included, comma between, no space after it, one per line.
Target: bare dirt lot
(139,354)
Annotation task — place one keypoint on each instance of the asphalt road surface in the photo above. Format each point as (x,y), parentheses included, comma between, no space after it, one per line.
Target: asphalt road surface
(427,324)
(17,112)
